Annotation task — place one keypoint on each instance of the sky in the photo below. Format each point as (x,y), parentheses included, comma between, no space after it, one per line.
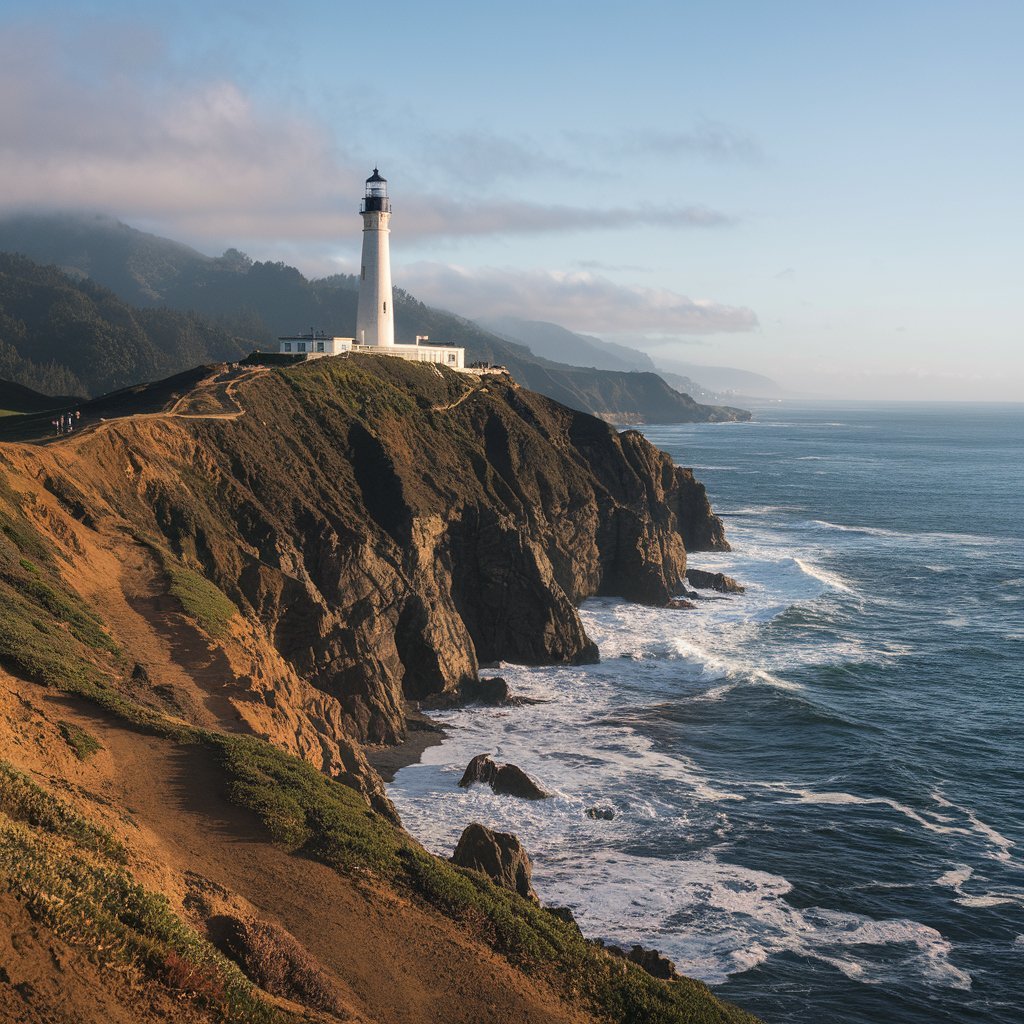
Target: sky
(827,193)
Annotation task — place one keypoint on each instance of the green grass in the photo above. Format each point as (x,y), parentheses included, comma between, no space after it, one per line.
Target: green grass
(33,644)
(83,743)
(83,624)
(202,601)
(346,385)
(21,799)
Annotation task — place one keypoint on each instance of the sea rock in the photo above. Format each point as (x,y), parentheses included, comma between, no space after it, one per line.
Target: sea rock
(499,855)
(486,690)
(714,581)
(601,813)
(506,779)
(654,963)
(680,604)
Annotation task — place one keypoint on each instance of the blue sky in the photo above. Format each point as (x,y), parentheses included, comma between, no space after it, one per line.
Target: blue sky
(828,193)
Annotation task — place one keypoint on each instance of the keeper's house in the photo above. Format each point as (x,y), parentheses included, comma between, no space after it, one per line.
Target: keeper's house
(318,343)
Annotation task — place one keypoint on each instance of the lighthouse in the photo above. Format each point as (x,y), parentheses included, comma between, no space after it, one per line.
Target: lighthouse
(375,315)
(375,311)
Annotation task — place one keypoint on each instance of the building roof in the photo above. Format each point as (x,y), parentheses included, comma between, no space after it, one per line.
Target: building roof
(375,177)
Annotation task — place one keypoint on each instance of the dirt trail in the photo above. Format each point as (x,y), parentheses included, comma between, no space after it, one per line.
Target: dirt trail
(174,656)
(468,393)
(213,398)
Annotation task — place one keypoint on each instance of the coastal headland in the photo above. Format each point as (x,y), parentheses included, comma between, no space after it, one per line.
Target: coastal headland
(218,592)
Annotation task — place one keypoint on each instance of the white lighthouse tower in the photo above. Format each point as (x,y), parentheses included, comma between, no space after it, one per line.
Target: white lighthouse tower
(375,313)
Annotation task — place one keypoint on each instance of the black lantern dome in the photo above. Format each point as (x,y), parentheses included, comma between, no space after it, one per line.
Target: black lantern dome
(376,196)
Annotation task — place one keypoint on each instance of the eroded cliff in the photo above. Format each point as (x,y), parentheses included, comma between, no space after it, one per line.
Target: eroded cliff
(383,526)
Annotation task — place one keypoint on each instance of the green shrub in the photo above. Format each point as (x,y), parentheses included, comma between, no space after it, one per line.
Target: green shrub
(84,744)
(200,599)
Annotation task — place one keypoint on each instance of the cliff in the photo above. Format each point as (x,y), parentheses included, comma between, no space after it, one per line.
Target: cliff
(211,602)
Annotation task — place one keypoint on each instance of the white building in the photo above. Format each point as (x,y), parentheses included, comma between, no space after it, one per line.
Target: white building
(375,314)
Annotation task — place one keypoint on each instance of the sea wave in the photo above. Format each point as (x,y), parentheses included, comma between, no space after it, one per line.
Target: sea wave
(830,579)
(904,536)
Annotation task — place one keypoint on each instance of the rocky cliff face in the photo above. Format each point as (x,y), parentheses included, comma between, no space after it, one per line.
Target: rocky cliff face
(381,527)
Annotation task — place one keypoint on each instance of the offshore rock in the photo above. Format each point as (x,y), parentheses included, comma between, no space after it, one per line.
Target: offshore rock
(499,855)
(505,779)
(486,690)
(714,581)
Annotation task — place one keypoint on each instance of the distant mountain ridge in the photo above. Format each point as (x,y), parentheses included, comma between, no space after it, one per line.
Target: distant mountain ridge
(709,384)
(551,341)
(259,301)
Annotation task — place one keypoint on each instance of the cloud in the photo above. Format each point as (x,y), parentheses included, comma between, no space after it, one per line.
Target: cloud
(578,300)
(118,129)
(177,150)
(439,217)
(709,139)
(483,157)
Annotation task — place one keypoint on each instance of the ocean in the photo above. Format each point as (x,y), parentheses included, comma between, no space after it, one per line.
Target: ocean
(816,785)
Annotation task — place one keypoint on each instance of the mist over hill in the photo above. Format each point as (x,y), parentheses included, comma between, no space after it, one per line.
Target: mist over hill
(238,298)
(558,343)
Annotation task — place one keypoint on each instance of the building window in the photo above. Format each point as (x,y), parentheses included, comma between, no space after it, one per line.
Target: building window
(364,271)
(319,346)
(451,357)
(385,307)
(287,346)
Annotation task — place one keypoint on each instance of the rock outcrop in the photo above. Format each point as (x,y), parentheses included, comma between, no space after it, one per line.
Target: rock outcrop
(703,580)
(486,690)
(654,963)
(505,779)
(499,855)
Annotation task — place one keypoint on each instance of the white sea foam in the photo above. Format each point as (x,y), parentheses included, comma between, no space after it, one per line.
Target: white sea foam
(914,536)
(591,746)
(955,877)
(714,917)
(1001,845)
(932,820)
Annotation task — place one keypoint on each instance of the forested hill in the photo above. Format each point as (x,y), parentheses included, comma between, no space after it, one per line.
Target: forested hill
(261,301)
(62,336)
